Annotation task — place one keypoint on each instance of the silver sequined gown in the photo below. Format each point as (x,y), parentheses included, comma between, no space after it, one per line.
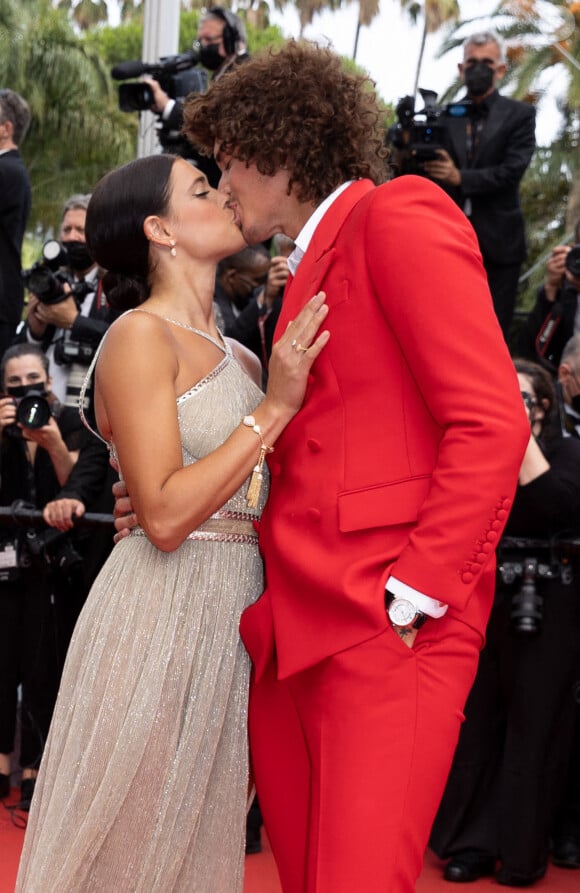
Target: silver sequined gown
(143,783)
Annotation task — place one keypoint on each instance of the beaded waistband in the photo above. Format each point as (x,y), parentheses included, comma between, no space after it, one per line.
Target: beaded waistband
(223,527)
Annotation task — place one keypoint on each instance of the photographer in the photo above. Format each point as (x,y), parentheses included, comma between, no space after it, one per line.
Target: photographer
(222,44)
(554,317)
(502,792)
(70,327)
(486,155)
(38,590)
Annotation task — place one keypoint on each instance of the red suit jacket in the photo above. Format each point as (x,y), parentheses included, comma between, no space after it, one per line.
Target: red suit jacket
(405,455)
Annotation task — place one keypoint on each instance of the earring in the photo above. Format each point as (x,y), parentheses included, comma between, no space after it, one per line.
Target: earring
(173,251)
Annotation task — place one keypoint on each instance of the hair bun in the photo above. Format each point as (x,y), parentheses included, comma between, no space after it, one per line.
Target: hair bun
(125,290)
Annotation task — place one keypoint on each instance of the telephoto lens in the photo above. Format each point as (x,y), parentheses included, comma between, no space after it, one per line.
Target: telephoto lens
(527,605)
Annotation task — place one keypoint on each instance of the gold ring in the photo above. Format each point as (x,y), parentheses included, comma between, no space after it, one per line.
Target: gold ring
(299,347)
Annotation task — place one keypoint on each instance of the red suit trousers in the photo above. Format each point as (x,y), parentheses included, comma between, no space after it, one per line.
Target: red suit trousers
(351,757)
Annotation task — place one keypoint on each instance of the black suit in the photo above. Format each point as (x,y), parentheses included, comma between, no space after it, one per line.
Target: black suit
(492,153)
(15,200)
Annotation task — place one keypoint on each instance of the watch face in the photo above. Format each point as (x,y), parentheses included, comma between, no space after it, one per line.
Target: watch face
(402,612)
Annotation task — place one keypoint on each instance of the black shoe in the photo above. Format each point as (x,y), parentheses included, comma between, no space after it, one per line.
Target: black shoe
(4,786)
(513,879)
(468,866)
(566,852)
(26,792)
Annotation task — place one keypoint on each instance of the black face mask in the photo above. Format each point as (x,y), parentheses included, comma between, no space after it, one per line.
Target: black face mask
(22,390)
(210,58)
(78,256)
(478,79)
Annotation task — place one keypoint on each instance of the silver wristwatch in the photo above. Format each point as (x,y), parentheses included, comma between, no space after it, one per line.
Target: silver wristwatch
(403,612)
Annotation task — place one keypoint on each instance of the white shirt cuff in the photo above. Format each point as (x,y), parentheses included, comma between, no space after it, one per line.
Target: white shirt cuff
(168,109)
(422,602)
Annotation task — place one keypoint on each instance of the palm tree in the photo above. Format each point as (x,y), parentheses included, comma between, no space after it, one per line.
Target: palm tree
(367,11)
(434,14)
(543,39)
(77,131)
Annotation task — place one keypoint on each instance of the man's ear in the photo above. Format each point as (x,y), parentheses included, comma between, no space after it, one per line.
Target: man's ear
(499,72)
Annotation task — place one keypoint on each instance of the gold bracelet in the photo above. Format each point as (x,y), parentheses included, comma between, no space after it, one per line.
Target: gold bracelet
(255,486)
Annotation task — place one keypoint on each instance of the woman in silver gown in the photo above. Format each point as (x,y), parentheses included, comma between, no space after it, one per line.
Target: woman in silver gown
(144,780)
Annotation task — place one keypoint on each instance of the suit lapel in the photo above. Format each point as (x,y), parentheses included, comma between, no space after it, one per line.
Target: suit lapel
(320,254)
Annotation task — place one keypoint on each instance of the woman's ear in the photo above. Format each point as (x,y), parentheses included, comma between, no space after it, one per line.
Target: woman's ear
(154,229)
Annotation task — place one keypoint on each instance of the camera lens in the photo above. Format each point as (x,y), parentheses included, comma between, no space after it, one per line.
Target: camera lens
(527,605)
(573,261)
(135,97)
(33,411)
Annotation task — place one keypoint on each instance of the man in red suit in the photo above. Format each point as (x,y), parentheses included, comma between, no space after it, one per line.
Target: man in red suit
(389,489)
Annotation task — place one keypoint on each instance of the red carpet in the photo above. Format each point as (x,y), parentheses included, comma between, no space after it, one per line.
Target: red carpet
(262,877)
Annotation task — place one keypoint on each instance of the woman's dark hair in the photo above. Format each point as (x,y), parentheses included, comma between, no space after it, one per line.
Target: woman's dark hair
(119,205)
(22,350)
(545,391)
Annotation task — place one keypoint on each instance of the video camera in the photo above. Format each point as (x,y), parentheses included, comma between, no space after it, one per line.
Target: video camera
(46,280)
(420,135)
(522,564)
(177,75)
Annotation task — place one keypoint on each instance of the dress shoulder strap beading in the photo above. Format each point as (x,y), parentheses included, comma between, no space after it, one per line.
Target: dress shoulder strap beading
(83,391)
(222,344)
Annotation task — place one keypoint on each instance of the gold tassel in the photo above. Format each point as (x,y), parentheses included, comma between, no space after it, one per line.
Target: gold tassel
(255,485)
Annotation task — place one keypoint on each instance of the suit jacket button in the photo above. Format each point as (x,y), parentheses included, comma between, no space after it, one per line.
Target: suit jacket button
(314,515)
(466,577)
(313,445)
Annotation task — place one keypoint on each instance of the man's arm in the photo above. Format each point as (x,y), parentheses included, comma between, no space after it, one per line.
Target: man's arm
(448,335)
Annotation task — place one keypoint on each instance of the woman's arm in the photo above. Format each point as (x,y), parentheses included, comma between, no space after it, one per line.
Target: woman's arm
(136,407)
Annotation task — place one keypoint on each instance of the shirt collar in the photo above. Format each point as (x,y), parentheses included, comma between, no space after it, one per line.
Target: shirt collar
(304,237)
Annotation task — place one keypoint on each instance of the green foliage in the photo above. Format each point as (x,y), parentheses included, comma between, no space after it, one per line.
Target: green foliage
(119,44)
(76,131)
(544,192)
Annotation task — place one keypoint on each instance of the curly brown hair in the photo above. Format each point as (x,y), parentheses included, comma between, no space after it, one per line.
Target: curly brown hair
(294,107)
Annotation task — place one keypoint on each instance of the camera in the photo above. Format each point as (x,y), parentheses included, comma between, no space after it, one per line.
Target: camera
(177,76)
(35,409)
(45,279)
(53,548)
(420,135)
(527,605)
(67,351)
(573,261)
(522,565)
